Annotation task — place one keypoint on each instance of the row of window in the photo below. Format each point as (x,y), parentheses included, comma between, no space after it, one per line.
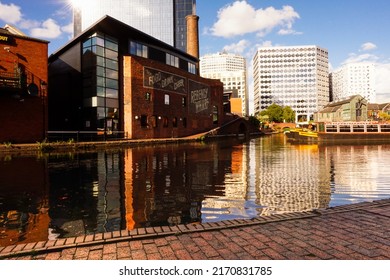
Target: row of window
(141,50)
(156,121)
(148,97)
(101,81)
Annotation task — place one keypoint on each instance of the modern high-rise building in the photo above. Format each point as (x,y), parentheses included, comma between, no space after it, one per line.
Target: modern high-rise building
(294,76)
(231,70)
(354,79)
(164,20)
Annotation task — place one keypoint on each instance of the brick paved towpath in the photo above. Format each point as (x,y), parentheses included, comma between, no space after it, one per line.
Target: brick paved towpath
(353,232)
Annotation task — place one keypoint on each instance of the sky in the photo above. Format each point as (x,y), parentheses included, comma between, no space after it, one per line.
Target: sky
(351,30)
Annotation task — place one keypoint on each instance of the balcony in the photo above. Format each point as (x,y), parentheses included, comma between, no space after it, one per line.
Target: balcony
(10,81)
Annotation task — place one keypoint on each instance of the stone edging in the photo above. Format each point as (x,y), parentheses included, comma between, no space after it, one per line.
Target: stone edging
(155,232)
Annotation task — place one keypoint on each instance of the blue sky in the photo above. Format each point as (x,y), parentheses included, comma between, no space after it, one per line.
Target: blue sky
(351,30)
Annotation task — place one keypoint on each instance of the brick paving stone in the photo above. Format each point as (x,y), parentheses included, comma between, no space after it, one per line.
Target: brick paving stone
(198,256)
(150,248)
(183,255)
(69,251)
(122,244)
(150,230)
(111,256)
(40,244)
(154,256)
(209,252)
(138,255)
(136,245)
(98,236)
(109,248)
(89,238)
(167,253)
(96,247)
(123,252)
(81,252)
(95,255)
(322,255)
(80,239)
(227,254)
(176,245)
(65,257)
(199,241)
(107,235)
(53,256)
(161,242)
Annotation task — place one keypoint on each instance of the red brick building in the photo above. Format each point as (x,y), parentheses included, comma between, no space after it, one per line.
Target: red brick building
(115,80)
(23,82)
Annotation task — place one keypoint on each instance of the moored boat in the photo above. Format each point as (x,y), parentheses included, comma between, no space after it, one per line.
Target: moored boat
(342,132)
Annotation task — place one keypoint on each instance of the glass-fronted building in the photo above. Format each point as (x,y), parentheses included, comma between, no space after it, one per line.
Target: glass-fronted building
(162,19)
(114,80)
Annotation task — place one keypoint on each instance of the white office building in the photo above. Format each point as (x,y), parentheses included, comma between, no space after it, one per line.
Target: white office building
(354,79)
(294,76)
(231,70)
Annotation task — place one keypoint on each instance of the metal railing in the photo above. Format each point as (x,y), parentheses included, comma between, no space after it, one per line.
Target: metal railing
(10,80)
(85,136)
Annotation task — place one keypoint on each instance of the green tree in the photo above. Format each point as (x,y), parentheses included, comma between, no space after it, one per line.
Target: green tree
(255,121)
(384,116)
(274,113)
(288,114)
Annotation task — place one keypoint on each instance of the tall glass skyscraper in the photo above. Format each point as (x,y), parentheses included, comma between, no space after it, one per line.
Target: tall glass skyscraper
(162,19)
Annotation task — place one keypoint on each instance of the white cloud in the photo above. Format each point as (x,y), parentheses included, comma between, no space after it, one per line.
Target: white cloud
(241,18)
(237,47)
(354,58)
(49,30)
(368,46)
(288,32)
(68,28)
(10,13)
(28,24)
(264,44)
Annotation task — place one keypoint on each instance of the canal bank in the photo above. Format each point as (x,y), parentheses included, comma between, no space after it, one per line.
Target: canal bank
(74,146)
(352,232)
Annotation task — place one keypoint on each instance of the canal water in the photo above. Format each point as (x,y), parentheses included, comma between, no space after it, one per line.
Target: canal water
(45,197)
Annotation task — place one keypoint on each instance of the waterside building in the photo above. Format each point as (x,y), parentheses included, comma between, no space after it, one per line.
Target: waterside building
(23,87)
(114,79)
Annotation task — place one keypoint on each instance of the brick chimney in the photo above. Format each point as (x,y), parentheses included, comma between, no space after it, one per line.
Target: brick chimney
(193,35)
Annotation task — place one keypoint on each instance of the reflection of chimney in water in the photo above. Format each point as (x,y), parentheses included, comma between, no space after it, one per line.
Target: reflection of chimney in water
(193,36)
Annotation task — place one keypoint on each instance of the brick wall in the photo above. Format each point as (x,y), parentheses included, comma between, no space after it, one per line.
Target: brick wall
(24,117)
(137,106)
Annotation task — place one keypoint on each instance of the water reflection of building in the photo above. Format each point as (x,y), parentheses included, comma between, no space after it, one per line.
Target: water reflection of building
(292,179)
(357,170)
(166,185)
(23,201)
(85,194)
(233,199)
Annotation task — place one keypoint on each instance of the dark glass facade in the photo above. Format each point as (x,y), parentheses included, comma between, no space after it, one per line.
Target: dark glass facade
(183,8)
(100,71)
(162,19)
